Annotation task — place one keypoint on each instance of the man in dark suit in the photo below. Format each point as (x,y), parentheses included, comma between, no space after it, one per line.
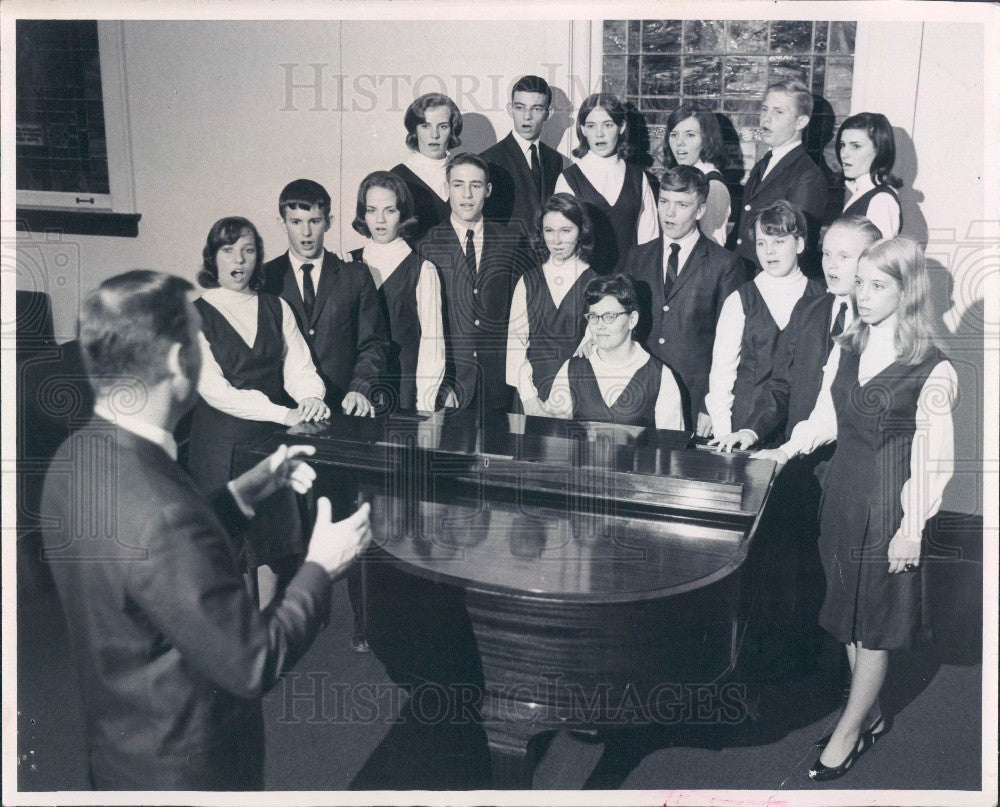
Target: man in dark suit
(173,655)
(790,526)
(480,263)
(681,280)
(523,170)
(335,303)
(784,172)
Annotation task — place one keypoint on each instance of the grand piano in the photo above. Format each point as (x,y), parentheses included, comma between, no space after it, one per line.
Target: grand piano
(544,574)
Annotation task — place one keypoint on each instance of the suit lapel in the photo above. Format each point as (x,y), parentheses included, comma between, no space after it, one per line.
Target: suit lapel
(690,265)
(780,167)
(289,291)
(490,244)
(327,278)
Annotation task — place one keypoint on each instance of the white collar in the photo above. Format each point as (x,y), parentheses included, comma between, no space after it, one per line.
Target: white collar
(427,164)
(687,242)
(574,267)
(791,279)
(297,262)
(704,167)
(462,227)
(859,186)
(141,428)
(527,144)
(385,256)
(595,162)
(228,296)
(780,151)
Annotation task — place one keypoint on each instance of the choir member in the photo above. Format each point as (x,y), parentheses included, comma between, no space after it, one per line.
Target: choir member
(753,317)
(866,150)
(784,172)
(335,304)
(887,390)
(433,128)
(694,138)
(409,292)
(546,312)
(682,280)
(619,382)
(479,263)
(616,193)
(522,168)
(256,371)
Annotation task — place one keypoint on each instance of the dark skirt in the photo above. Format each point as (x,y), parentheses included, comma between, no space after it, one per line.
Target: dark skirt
(276,530)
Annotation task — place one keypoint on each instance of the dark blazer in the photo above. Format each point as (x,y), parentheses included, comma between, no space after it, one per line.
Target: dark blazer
(477,310)
(680,330)
(173,654)
(799,181)
(515,201)
(797,375)
(347,333)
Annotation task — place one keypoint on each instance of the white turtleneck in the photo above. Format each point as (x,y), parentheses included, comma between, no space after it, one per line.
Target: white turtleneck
(300,378)
(383,260)
(883,209)
(559,280)
(933,450)
(432,172)
(607,175)
(780,295)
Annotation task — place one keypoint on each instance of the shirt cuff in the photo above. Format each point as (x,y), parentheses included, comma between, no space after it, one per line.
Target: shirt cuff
(246,509)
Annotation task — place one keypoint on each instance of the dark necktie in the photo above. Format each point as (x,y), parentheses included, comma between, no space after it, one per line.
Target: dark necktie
(765,161)
(308,289)
(672,264)
(470,251)
(838,323)
(536,170)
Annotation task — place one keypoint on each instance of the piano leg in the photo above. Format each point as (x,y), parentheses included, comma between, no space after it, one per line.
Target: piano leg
(512,756)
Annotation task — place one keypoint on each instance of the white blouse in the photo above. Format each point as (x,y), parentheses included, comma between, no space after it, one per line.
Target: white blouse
(432,172)
(612,379)
(780,295)
(559,280)
(300,378)
(717,207)
(382,261)
(933,452)
(883,209)
(607,175)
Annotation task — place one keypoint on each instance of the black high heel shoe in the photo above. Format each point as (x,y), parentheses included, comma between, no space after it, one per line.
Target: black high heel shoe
(823,773)
(878,728)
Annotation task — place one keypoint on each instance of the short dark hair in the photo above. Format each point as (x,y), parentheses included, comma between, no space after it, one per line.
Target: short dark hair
(532,84)
(713,149)
(800,95)
(302,194)
(404,203)
(616,111)
(223,233)
(685,179)
(569,206)
(879,131)
(127,326)
(780,218)
(416,113)
(466,158)
(617,286)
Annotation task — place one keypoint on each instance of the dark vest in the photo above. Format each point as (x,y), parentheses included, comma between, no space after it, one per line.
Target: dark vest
(760,336)
(553,332)
(636,406)
(258,367)
(398,299)
(859,207)
(616,227)
(429,208)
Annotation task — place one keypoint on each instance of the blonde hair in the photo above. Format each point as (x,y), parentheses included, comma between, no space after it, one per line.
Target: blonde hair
(902,259)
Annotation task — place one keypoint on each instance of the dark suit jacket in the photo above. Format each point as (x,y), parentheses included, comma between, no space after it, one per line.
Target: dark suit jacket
(802,350)
(515,201)
(347,333)
(173,654)
(799,181)
(680,330)
(477,310)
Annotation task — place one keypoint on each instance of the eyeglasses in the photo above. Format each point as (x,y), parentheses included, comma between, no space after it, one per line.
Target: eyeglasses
(607,318)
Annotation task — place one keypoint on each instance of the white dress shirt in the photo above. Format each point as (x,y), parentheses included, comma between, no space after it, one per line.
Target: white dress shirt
(607,175)
(780,295)
(431,171)
(559,280)
(299,275)
(933,451)
(300,378)
(526,147)
(777,153)
(461,230)
(883,209)
(686,243)
(613,379)
(718,206)
(383,260)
